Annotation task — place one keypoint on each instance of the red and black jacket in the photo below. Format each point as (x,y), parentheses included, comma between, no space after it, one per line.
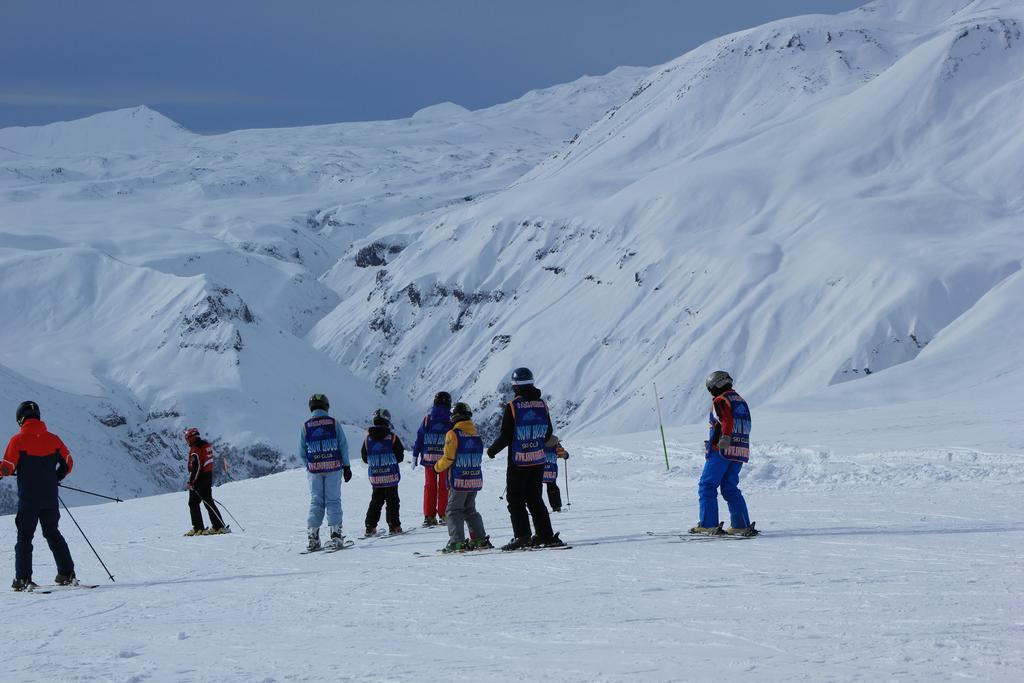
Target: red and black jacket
(40,460)
(200,459)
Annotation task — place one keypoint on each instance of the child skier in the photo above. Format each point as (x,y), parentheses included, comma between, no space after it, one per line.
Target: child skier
(382,451)
(428,448)
(727,448)
(324,449)
(41,461)
(552,452)
(200,486)
(525,427)
(461,466)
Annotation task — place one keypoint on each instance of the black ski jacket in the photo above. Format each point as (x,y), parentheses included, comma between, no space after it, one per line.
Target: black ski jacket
(508,422)
(377,432)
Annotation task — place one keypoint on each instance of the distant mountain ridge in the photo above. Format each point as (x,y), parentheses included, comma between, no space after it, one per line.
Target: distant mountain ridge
(155,279)
(135,128)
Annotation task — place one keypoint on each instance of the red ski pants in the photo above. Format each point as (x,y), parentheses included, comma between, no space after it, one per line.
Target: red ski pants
(435,492)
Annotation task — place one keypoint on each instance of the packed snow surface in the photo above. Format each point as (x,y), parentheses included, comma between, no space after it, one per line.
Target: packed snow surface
(894,565)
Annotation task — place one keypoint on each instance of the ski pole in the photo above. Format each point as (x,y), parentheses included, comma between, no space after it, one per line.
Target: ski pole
(217,502)
(98,495)
(502,496)
(661,424)
(567,503)
(86,539)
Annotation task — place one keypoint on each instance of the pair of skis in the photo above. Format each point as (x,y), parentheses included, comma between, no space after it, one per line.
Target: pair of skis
(492,551)
(719,535)
(328,549)
(46,589)
(403,532)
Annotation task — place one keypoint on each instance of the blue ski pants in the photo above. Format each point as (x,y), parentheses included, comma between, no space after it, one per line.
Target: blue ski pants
(724,474)
(324,494)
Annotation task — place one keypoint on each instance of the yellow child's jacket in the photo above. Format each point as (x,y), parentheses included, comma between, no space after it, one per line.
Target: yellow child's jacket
(451,444)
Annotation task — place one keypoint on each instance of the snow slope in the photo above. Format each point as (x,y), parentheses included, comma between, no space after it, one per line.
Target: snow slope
(828,206)
(166,279)
(897,565)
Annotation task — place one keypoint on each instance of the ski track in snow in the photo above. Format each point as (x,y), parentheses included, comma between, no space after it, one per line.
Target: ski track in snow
(878,579)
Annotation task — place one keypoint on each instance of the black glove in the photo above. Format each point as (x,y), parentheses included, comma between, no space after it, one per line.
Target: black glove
(346,472)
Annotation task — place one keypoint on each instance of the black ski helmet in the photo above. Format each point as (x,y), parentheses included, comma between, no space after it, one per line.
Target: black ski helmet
(28,410)
(718,381)
(522,377)
(319,402)
(442,398)
(382,414)
(461,411)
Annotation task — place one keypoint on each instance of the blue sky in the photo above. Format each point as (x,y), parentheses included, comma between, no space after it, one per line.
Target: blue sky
(217,65)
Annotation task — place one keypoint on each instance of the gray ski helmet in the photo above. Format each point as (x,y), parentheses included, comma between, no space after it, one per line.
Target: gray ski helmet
(719,380)
(461,411)
(27,410)
(319,402)
(442,398)
(382,414)
(522,377)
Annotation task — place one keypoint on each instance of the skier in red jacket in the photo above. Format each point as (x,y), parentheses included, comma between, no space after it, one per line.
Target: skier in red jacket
(200,485)
(41,461)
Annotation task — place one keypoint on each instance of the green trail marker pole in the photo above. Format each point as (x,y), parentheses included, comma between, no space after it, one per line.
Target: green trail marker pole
(661,425)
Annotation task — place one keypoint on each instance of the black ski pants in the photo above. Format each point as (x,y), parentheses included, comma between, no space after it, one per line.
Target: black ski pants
(389,495)
(554,496)
(200,494)
(526,499)
(26,521)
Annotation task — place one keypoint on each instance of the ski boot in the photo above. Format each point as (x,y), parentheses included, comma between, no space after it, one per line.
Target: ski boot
(337,539)
(23,584)
(371,531)
(313,536)
(743,531)
(217,532)
(709,530)
(553,542)
(195,532)
(556,509)
(455,547)
(66,579)
(430,520)
(441,519)
(516,544)
(481,543)
(394,529)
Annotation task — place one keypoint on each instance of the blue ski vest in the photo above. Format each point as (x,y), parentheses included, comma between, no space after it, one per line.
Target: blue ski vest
(550,465)
(380,455)
(531,418)
(466,474)
(739,448)
(323,453)
(433,439)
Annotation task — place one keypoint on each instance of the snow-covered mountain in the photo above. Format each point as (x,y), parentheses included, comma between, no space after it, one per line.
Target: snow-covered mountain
(154,278)
(828,206)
